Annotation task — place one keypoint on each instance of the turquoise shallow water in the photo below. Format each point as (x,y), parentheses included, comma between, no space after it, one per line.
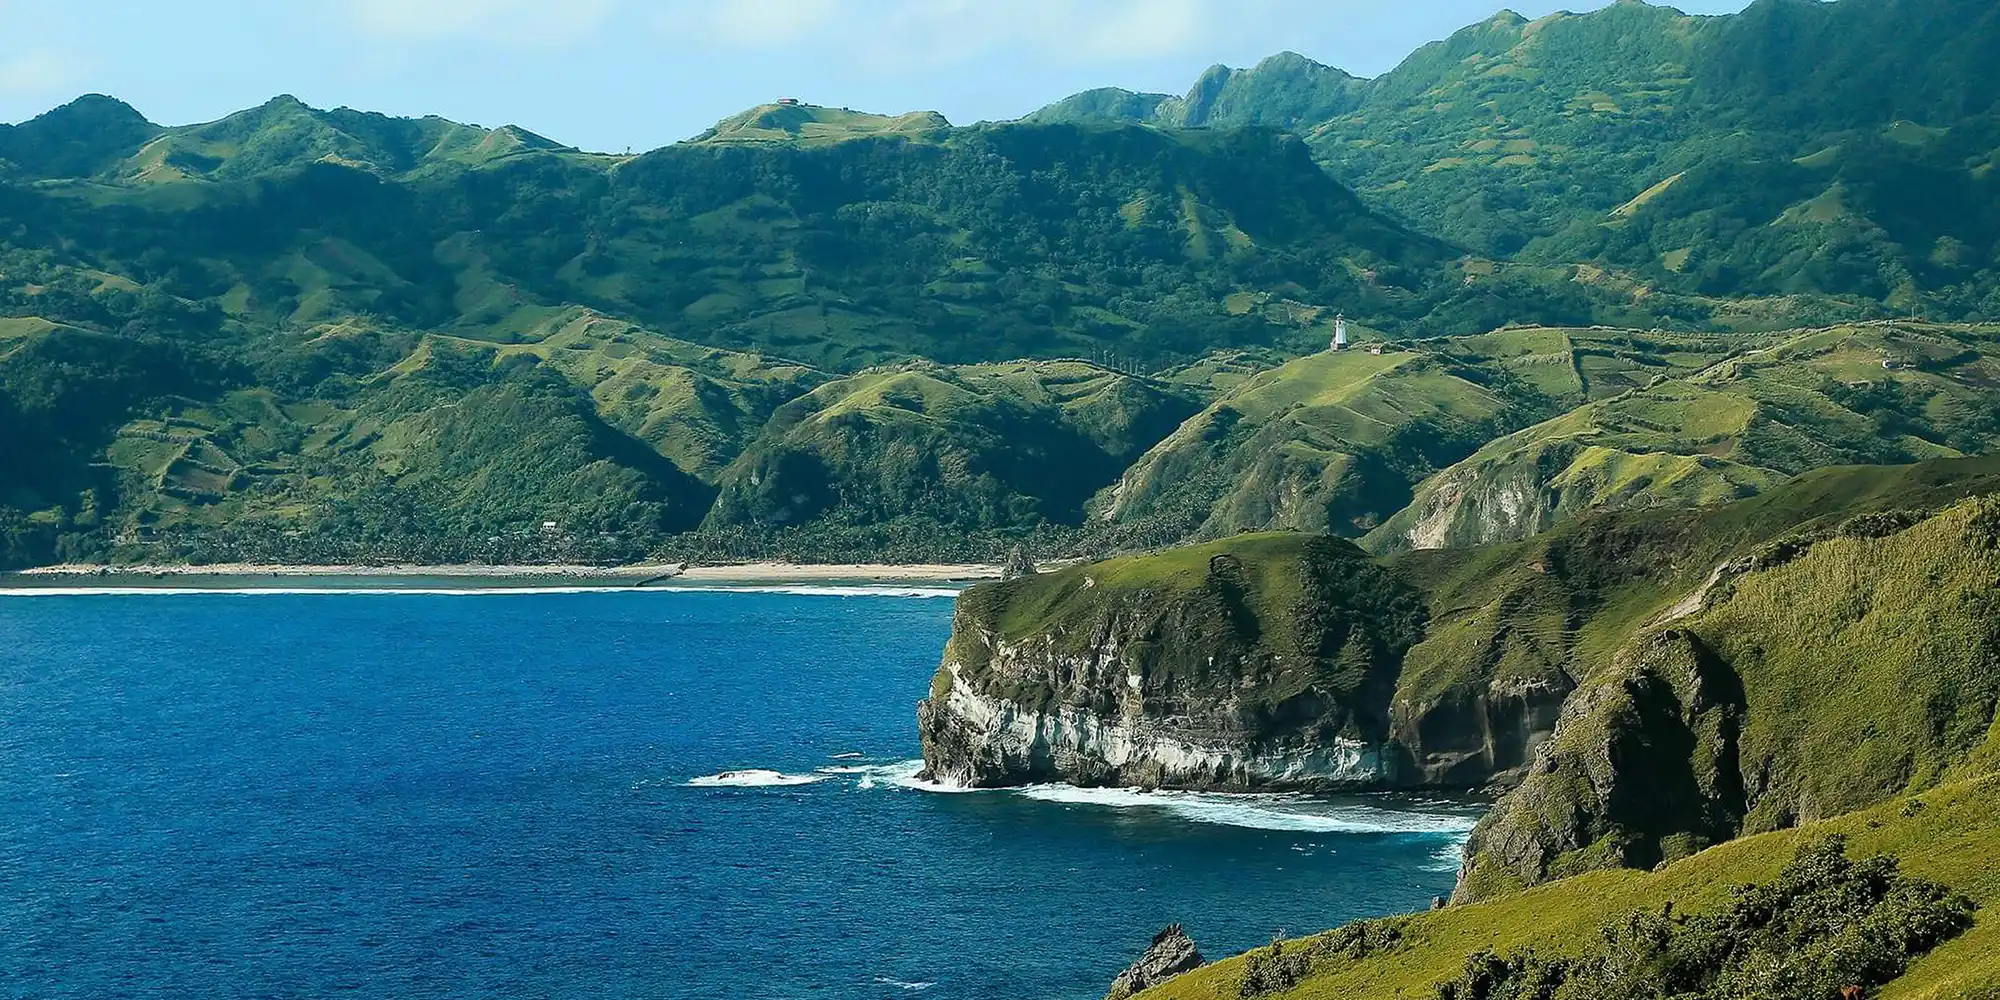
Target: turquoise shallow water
(424,796)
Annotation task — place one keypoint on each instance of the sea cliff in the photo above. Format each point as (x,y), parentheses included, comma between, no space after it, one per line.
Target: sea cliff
(1261,662)
(1638,684)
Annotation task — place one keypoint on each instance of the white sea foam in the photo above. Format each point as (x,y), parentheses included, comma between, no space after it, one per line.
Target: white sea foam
(756,779)
(903,774)
(841,770)
(848,756)
(1289,813)
(905,986)
(1448,855)
(925,593)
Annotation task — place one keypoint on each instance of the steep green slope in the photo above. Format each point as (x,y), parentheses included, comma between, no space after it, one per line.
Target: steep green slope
(1285,91)
(1665,686)
(1334,442)
(1798,148)
(964,449)
(1949,835)
(1848,395)
(1823,674)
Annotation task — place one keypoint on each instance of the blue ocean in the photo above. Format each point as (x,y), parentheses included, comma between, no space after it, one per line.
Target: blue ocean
(525,795)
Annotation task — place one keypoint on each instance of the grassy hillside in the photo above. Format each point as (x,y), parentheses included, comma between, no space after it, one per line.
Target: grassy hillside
(1948,835)
(1823,673)
(808,124)
(1838,677)
(1334,442)
(1805,401)
(961,449)
(1273,635)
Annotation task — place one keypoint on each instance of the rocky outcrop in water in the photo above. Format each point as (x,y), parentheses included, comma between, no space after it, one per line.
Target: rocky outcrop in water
(1173,953)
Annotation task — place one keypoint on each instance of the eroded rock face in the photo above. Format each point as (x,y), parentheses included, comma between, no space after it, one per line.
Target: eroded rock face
(1173,953)
(975,740)
(1479,736)
(1642,768)
(1282,666)
(1238,682)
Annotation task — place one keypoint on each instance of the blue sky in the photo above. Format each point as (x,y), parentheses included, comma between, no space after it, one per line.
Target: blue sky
(612,74)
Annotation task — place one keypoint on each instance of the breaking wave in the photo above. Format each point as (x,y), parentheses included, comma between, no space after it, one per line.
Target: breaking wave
(1448,856)
(756,779)
(1287,813)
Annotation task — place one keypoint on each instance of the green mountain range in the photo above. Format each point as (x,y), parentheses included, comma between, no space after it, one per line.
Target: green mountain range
(819,332)
(1799,147)
(1654,487)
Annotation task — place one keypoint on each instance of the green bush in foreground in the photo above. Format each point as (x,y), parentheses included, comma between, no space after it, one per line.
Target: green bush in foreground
(1825,924)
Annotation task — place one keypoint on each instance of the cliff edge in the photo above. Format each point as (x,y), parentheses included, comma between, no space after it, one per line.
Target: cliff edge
(1259,662)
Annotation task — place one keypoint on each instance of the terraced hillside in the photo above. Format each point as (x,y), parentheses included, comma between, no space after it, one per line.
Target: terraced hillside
(1334,442)
(1882,393)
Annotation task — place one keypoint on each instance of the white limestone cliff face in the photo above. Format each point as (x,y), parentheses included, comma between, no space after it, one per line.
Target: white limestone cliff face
(976,740)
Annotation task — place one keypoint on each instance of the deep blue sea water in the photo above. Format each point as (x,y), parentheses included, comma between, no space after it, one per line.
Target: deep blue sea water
(416,796)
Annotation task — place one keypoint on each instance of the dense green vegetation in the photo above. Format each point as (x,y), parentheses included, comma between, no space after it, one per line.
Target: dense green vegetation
(1838,675)
(1297,630)
(297,333)
(1798,148)
(1878,394)
(1335,442)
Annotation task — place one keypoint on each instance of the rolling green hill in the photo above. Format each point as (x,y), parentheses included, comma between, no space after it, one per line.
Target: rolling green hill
(1335,442)
(1947,835)
(1810,400)
(953,449)
(807,124)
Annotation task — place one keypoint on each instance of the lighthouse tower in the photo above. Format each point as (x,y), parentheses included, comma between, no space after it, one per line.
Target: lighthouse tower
(1340,341)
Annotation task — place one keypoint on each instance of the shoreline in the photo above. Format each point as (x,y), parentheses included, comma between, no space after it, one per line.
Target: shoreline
(463,575)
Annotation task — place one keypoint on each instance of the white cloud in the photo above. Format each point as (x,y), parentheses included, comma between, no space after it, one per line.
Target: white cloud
(39,74)
(762,24)
(893,35)
(507,22)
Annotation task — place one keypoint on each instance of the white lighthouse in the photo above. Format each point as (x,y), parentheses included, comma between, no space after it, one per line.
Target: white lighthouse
(1340,341)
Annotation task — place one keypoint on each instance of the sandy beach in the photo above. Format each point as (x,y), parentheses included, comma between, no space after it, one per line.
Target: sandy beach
(769,573)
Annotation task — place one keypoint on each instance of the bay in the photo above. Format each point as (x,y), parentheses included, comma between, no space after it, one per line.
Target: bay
(527,795)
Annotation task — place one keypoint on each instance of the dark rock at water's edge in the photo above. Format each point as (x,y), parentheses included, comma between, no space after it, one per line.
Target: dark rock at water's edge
(1173,953)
